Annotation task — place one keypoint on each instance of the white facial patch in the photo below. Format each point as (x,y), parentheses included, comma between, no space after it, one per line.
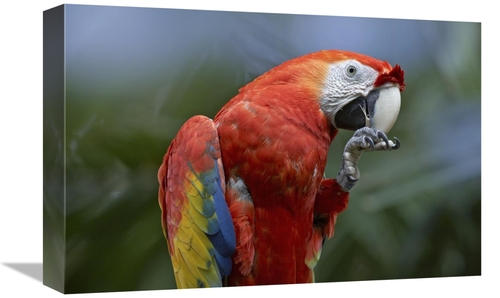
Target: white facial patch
(345,81)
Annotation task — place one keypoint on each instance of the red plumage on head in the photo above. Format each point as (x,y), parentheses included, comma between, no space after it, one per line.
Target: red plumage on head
(396,75)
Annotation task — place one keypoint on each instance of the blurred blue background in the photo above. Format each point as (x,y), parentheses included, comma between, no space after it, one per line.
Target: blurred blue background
(134,75)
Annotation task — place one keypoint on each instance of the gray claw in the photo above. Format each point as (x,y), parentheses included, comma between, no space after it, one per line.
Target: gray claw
(383,136)
(352,179)
(369,140)
(397,145)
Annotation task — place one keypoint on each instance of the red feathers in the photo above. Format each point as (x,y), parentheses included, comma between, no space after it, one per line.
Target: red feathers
(396,75)
(392,75)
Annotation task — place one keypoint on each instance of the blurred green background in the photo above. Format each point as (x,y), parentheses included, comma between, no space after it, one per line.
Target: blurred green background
(134,75)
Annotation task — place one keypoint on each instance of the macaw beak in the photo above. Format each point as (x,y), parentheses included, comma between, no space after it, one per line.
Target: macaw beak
(378,110)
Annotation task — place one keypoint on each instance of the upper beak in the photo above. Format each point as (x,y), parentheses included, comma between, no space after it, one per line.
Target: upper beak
(378,110)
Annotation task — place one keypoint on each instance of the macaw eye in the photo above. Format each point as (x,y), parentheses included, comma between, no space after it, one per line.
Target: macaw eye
(351,70)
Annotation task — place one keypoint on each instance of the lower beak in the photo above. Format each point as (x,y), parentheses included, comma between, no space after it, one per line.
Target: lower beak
(378,110)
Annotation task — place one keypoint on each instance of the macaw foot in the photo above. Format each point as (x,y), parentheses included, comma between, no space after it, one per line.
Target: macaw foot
(364,139)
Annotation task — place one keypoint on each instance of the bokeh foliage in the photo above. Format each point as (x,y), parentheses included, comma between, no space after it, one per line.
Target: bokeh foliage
(134,75)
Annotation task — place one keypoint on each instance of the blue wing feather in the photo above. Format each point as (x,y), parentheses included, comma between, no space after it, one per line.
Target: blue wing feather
(224,240)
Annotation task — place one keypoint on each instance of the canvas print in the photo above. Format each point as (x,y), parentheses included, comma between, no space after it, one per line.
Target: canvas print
(192,148)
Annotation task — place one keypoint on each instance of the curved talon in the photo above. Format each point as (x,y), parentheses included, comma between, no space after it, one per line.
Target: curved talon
(397,145)
(352,179)
(383,136)
(369,140)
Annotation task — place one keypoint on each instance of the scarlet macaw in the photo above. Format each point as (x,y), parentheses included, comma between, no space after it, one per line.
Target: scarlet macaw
(243,198)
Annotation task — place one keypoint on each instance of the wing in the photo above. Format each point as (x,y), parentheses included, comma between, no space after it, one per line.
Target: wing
(195,217)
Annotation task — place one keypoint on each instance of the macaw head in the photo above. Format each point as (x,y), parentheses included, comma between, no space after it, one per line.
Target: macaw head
(360,91)
(351,89)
